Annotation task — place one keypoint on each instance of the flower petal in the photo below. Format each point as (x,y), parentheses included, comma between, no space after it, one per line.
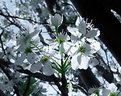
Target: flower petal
(51,19)
(20,60)
(112,87)
(79,19)
(105,92)
(48,70)
(84,62)
(31,57)
(93,33)
(82,27)
(56,20)
(36,67)
(95,46)
(74,62)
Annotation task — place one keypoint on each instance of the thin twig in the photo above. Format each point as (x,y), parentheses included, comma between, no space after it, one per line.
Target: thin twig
(7,73)
(2,45)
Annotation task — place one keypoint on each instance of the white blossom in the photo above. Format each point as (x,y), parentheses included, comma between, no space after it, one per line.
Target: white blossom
(56,20)
(24,41)
(82,54)
(81,57)
(75,34)
(82,27)
(112,87)
(65,45)
(20,60)
(47,69)
(6,85)
(31,57)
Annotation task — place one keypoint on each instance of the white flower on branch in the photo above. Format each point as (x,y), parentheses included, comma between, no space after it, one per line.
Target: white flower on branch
(47,69)
(82,55)
(31,57)
(24,41)
(82,27)
(75,34)
(65,45)
(56,20)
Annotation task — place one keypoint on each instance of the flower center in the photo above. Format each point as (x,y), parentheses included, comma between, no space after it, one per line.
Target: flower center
(61,41)
(26,39)
(45,58)
(96,92)
(28,50)
(81,50)
(112,94)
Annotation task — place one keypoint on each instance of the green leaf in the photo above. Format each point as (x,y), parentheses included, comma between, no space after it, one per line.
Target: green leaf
(48,17)
(23,87)
(75,18)
(28,50)
(58,64)
(35,46)
(5,36)
(69,64)
(112,94)
(96,92)
(69,21)
(27,15)
(27,38)
(32,81)
(65,1)
(30,90)
(56,68)
(67,68)
(26,64)
(81,37)
(66,61)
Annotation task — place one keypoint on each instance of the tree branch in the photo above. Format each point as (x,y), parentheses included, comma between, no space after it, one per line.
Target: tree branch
(2,45)
(37,75)
(8,72)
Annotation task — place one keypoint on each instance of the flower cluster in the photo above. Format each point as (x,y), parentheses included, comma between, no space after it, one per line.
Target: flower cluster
(81,45)
(72,49)
(76,49)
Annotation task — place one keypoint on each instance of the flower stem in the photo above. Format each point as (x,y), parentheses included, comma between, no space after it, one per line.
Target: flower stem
(56,28)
